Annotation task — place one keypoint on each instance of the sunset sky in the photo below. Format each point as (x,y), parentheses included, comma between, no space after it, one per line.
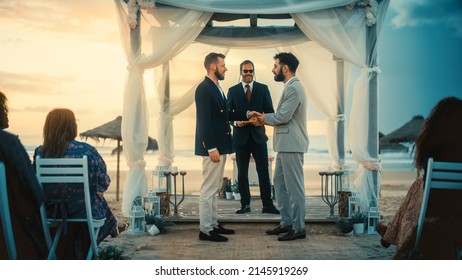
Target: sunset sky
(68,54)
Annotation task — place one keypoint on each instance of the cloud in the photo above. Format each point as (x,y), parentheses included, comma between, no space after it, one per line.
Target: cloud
(94,20)
(412,13)
(36,84)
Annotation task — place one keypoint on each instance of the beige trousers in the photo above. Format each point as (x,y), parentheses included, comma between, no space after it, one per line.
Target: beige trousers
(212,174)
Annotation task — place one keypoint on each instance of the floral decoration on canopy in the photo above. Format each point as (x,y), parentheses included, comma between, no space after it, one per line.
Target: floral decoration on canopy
(135,5)
(370,10)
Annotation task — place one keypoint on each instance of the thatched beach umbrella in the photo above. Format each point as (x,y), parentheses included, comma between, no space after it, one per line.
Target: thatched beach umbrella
(152,146)
(391,146)
(406,133)
(111,130)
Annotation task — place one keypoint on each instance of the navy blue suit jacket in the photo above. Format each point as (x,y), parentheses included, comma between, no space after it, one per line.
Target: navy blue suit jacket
(212,123)
(238,107)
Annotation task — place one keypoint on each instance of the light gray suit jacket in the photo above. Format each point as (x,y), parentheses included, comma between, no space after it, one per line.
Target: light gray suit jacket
(289,121)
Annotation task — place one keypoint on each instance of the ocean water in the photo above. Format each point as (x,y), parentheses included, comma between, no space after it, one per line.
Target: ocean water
(317,157)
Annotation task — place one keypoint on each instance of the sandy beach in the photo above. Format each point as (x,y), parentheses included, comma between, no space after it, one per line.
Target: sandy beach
(180,242)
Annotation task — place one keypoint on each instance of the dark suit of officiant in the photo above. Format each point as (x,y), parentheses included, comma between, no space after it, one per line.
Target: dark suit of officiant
(250,139)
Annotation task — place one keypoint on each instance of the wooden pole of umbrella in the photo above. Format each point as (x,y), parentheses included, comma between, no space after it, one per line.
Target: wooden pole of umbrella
(112,130)
(118,171)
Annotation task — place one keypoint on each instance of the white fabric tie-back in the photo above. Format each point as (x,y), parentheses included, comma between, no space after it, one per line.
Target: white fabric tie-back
(375,69)
(372,165)
(135,69)
(337,118)
(137,164)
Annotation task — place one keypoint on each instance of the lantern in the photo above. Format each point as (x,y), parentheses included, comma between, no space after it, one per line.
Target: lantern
(136,219)
(152,205)
(373,217)
(353,201)
(158,177)
(345,181)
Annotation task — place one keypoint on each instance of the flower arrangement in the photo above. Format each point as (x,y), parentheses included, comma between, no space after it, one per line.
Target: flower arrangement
(370,10)
(134,5)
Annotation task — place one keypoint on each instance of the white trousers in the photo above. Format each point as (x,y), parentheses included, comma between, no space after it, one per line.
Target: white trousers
(212,174)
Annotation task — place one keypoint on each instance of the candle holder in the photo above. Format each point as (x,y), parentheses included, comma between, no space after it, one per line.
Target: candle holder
(330,182)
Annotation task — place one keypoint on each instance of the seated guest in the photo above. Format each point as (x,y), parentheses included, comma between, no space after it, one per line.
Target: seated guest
(25,196)
(59,133)
(440,138)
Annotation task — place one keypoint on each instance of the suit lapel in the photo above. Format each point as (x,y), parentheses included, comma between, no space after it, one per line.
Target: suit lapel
(219,97)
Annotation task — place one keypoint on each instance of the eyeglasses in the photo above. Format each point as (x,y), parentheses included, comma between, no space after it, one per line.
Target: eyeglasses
(247,71)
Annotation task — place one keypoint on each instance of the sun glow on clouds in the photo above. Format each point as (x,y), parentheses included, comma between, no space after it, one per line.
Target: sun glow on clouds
(55,55)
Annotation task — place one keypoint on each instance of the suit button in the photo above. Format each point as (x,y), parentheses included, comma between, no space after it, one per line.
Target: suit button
(227,133)
(221,111)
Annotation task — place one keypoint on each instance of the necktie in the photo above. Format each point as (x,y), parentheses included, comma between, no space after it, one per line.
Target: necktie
(247,93)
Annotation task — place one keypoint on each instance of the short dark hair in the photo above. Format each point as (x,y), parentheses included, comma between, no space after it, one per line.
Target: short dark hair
(212,58)
(288,59)
(244,63)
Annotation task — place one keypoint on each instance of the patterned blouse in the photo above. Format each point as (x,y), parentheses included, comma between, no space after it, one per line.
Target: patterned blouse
(73,198)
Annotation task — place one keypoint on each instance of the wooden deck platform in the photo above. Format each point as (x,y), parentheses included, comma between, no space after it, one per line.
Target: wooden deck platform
(188,211)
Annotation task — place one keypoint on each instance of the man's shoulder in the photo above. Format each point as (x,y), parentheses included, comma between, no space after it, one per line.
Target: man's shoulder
(257,84)
(236,87)
(6,135)
(260,86)
(8,138)
(204,86)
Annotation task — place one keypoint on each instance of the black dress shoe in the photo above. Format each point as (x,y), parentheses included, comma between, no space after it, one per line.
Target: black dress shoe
(221,230)
(212,236)
(270,210)
(292,235)
(243,210)
(278,230)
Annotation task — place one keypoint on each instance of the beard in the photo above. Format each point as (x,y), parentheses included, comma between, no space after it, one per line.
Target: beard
(279,77)
(219,76)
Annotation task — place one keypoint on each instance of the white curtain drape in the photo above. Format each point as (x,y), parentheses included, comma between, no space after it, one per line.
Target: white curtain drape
(176,29)
(338,30)
(343,33)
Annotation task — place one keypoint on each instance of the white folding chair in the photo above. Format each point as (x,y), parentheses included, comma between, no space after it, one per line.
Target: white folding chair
(440,175)
(69,170)
(5,215)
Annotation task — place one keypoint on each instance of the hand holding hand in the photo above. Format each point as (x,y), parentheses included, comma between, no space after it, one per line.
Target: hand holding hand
(260,120)
(253,114)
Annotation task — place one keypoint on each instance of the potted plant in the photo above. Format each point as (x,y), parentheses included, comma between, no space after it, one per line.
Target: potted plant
(344,226)
(237,195)
(228,189)
(358,220)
